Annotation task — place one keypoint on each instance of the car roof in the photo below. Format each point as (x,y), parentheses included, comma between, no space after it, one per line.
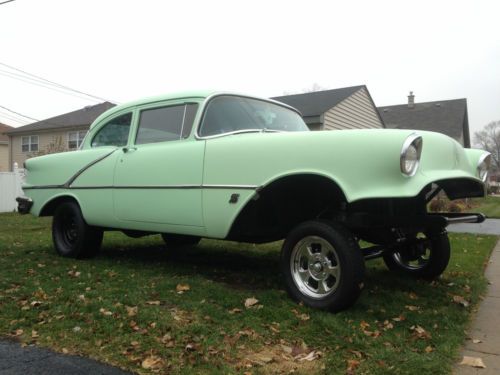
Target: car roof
(200,94)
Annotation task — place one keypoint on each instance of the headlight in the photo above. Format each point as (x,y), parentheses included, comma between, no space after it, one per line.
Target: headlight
(410,155)
(483,166)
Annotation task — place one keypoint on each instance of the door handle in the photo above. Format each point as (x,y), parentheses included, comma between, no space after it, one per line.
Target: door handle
(127,149)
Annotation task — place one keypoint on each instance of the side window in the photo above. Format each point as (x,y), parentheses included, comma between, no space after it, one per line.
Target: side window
(114,133)
(166,123)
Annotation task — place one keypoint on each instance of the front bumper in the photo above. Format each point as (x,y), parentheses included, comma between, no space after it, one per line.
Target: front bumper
(24,205)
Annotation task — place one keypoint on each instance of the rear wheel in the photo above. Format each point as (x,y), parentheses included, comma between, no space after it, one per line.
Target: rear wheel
(72,236)
(323,266)
(426,255)
(179,240)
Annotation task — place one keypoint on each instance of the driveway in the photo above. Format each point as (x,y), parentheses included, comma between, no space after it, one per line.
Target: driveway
(15,360)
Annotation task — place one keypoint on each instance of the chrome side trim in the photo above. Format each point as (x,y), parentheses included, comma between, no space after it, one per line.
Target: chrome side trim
(208,186)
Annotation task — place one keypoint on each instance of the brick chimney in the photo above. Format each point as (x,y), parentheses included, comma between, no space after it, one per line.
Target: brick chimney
(411,100)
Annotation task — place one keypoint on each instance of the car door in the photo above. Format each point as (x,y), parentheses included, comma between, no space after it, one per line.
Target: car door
(158,176)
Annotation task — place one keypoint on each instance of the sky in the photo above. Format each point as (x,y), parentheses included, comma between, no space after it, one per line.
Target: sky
(125,50)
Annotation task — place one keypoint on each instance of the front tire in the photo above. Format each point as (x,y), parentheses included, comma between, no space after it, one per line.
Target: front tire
(72,236)
(425,256)
(323,266)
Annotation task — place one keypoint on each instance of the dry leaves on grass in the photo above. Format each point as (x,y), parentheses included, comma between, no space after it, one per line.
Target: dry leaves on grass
(461,301)
(131,310)
(153,303)
(252,302)
(235,311)
(298,315)
(420,333)
(105,312)
(152,362)
(473,362)
(181,288)
(352,365)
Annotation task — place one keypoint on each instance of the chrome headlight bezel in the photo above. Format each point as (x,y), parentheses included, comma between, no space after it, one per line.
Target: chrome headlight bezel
(412,142)
(483,166)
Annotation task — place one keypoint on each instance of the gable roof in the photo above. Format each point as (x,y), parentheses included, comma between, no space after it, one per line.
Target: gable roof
(3,129)
(83,116)
(446,116)
(318,102)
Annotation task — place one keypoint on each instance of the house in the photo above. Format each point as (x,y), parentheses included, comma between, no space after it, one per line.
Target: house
(4,147)
(344,108)
(445,116)
(60,133)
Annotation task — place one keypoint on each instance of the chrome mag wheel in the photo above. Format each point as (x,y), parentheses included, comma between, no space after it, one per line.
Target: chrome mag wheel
(315,267)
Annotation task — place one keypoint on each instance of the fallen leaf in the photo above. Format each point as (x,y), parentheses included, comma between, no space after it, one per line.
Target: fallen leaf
(420,333)
(473,362)
(153,303)
(461,301)
(65,351)
(412,308)
(399,318)
(152,362)
(105,312)
(428,349)
(34,334)
(235,311)
(352,365)
(131,311)
(476,341)
(181,288)
(252,301)
(311,356)
(412,295)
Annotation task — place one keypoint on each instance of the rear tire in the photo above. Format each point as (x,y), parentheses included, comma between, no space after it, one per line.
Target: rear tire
(72,236)
(179,240)
(426,259)
(323,266)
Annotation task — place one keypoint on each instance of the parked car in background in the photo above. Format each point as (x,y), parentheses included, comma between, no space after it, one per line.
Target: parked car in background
(240,168)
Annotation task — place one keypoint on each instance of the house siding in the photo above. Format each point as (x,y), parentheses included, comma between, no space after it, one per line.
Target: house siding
(354,112)
(45,140)
(4,157)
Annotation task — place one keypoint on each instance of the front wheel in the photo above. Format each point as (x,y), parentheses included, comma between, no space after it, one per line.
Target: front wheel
(322,265)
(72,236)
(424,256)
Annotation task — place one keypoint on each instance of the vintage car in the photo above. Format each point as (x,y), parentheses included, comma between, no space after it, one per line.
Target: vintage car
(240,168)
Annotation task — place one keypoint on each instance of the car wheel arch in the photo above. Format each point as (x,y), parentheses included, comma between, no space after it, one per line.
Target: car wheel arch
(282,189)
(50,206)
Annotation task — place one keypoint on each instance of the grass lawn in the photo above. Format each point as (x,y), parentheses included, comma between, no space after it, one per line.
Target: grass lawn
(124,307)
(490,206)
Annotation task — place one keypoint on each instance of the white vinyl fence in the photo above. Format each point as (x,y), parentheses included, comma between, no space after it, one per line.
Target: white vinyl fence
(10,189)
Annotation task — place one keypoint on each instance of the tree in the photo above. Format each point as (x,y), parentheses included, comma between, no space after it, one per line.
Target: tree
(489,139)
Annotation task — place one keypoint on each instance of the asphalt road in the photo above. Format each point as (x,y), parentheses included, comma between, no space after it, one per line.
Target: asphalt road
(16,360)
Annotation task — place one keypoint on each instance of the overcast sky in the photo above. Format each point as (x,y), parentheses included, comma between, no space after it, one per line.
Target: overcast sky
(124,50)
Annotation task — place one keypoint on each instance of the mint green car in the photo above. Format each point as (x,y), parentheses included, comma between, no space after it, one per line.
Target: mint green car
(227,166)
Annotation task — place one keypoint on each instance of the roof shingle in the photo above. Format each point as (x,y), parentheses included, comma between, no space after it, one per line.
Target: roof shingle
(446,116)
(84,116)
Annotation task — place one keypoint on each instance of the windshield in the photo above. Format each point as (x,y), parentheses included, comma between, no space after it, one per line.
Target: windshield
(225,114)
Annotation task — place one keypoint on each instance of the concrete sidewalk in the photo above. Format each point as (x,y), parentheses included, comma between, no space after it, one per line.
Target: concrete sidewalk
(489,226)
(486,325)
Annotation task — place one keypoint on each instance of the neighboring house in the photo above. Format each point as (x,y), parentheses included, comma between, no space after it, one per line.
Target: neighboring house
(60,133)
(345,108)
(445,116)
(4,147)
